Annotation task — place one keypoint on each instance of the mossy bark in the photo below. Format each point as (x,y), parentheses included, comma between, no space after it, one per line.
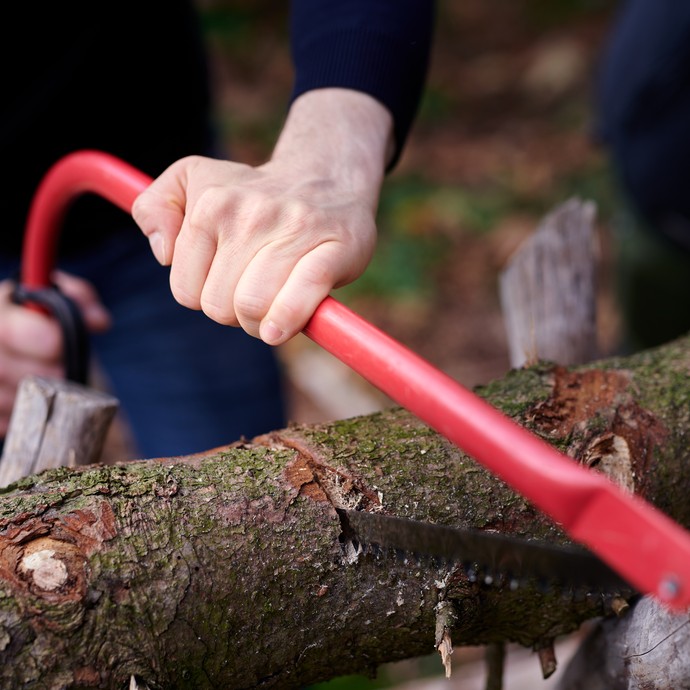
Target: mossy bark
(225,569)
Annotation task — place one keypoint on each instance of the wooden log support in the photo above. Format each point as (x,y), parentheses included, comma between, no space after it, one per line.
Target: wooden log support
(548,290)
(646,649)
(54,423)
(548,297)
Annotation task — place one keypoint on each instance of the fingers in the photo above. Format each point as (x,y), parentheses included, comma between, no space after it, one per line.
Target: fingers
(258,248)
(301,293)
(26,334)
(258,289)
(338,257)
(160,209)
(270,276)
(206,233)
(253,258)
(30,343)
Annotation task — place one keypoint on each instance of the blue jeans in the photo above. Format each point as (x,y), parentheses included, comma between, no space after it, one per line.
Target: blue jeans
(185,383)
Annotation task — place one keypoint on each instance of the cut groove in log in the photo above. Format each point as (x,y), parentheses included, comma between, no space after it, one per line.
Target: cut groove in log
(226,569)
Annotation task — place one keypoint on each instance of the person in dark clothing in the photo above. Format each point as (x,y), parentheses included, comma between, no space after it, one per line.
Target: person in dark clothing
(642,107)
(257,247)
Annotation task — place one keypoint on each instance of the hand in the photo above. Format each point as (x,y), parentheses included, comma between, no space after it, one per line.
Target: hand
(261,247)
(31,342)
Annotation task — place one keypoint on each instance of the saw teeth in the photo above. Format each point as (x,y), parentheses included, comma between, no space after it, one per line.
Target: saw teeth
(401,556)
(496,579)
(438,562)
(372,549)
(376,551)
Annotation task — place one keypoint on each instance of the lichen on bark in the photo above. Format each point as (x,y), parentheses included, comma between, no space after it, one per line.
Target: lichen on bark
(228,568)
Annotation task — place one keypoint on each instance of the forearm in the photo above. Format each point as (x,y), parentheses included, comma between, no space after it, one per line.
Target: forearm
(377,47)
(338,138)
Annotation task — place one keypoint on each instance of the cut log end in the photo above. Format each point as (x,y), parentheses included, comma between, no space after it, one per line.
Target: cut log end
(54,423)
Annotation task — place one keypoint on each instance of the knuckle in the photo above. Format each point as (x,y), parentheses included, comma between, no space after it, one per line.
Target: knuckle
(214,210)
(139,208)
(287,311)
(208,207)
(250,307)
(304,217)
(316,272)
(215,303)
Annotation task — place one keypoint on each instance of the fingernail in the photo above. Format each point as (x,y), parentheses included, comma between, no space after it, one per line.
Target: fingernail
(157,242)
(270,333)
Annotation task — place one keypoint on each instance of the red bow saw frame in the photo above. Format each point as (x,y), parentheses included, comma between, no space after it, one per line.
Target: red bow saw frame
(647,548)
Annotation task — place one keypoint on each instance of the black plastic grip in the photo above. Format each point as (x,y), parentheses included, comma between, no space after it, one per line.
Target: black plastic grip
(76,352)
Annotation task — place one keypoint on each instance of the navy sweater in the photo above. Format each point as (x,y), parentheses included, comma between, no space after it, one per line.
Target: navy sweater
(131,78)
(643,110)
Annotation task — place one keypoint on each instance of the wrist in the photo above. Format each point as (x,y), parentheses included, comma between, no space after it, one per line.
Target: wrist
(339,135)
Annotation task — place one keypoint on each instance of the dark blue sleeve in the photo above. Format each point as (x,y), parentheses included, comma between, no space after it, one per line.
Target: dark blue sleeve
(379,47)
(643,109)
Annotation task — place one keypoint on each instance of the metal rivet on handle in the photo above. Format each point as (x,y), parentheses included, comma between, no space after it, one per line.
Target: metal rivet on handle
(669,588)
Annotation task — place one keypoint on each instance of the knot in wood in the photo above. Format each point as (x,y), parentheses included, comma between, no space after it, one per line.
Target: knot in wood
(52,568)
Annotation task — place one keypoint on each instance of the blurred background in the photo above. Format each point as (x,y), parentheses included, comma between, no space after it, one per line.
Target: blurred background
(504,134)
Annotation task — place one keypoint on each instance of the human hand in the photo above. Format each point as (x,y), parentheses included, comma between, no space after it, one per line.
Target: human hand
(261,247)
(31,342)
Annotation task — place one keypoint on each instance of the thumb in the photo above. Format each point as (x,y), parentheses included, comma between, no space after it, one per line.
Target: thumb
(160,209)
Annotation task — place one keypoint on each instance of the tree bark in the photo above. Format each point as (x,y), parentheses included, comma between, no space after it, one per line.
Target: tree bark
(226,568)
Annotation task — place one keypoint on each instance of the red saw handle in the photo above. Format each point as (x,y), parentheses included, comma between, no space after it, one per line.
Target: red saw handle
(647,548)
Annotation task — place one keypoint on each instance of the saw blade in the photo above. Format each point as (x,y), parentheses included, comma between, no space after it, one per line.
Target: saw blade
(487,557)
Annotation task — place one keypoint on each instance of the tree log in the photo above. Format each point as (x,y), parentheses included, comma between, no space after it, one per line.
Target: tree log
(228,568)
